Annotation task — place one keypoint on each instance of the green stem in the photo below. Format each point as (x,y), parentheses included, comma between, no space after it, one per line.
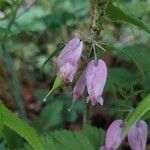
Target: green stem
(86,115)
(94,50)
(47,95)
(12,20)
(15,85)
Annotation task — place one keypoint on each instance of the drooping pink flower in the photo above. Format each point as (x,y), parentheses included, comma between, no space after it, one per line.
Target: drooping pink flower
(79,86)
(69,48)
(114,135)
(96,75)
(67,61)
(137,136)
(68,70)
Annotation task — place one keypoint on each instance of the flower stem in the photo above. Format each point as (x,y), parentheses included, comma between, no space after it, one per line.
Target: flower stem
(86,115)
(97,9)
(95,55)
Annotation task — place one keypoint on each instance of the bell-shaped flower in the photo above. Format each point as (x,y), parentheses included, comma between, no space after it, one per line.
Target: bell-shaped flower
(79,86)
(68,59)
(137,136)
(114,135)
(96,75)
(71,45)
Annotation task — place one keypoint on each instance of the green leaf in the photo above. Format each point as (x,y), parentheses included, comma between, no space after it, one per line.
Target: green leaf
(121,77)
(23,129)
(52,114)
(109,47)
(139,55)
(95,135)
(137,114)
(3,30)
(67,140)
(132,54)
(116,14)
(71,116)
(1,122)
(8,135)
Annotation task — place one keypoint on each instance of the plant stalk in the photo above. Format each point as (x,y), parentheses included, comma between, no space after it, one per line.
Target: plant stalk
(97,10)
(86,115)
(15,85)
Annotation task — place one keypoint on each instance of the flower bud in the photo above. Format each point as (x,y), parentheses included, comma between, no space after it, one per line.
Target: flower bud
(68,59)
(96,75)
(114,135)
(137,136)
(79,86)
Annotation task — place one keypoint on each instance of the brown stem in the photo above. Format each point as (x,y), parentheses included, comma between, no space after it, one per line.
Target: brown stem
(97,8)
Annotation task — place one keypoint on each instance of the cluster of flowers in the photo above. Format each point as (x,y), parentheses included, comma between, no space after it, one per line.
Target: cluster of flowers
(94,75)
(137,136)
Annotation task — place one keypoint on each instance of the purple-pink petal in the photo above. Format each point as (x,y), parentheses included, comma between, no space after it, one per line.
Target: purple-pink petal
(67,71)
(79,86)
(114,135)
(69,58)
(75,55)
(96,75)
(71,45)
(137,136)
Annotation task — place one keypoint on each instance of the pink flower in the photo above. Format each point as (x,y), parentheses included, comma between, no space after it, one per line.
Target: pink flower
(113,135)
(68,70)
(79,86)
(69,58)
(137,136)
(96,75)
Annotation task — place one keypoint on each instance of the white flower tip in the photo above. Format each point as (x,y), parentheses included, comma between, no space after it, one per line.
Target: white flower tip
(87,99)
(101,101)
(70,80)
(102,148)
